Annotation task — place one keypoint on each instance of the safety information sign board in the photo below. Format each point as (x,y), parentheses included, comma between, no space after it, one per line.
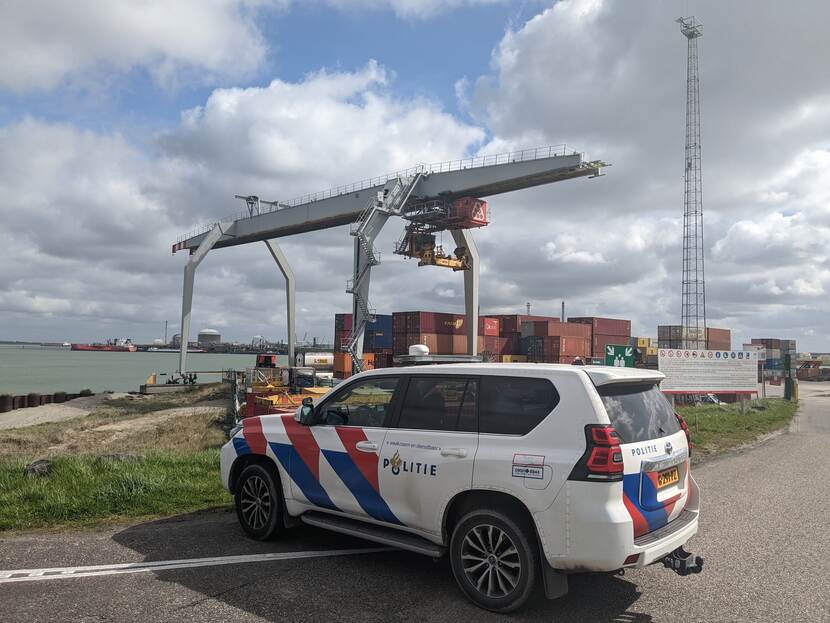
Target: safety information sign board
(704,371)
(619,355)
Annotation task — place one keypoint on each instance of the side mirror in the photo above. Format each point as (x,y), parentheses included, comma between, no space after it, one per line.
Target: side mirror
(305,412)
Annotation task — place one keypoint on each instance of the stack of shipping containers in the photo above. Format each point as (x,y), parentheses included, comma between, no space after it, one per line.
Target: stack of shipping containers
(504,338)
(776,350)
(446,334)
(551,341)
(377,344)
(605,331)
(671,336)
(646,353)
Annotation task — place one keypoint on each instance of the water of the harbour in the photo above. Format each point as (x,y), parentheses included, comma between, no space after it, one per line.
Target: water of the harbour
(46,370)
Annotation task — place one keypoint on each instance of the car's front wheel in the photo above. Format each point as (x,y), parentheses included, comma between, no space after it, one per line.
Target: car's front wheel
(258,502)
(494,559)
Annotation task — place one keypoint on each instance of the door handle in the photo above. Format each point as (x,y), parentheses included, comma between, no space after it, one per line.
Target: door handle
(366,446)
(459,452)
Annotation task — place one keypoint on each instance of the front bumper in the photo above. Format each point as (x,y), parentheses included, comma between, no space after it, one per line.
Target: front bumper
(227,455)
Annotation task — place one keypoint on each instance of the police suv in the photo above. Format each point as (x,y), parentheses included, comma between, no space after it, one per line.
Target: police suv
(520,473)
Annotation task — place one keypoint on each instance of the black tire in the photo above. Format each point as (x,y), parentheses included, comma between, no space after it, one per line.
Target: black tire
(259,502)
(495,559)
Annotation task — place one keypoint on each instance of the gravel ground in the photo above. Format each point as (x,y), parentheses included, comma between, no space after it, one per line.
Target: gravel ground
(763,534)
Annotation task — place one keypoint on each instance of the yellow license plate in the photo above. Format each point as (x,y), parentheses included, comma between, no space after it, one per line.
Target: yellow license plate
(668,477)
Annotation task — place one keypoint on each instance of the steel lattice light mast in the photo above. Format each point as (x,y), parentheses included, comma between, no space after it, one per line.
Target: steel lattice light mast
(693,315)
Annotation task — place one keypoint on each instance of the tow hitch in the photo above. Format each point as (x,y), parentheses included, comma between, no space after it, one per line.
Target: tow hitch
(682,562)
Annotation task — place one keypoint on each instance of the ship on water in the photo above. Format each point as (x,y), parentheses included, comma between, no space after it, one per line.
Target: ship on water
(124,345)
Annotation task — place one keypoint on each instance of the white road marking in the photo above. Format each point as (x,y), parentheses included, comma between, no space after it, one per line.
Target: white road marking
(60,573)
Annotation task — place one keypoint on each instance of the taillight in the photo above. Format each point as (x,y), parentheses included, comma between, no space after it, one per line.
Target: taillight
(602,460)
(685,429)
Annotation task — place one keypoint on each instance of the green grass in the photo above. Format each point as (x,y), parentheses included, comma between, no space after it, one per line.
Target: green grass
(720,428)
(86,490)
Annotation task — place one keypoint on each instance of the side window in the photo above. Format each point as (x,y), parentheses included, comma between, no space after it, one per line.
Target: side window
(514,405)
(366,403)
(439,403)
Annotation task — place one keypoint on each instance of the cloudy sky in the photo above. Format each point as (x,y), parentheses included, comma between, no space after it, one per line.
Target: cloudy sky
(124,124)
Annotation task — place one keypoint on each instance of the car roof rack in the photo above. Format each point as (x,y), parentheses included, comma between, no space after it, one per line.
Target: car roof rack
(419,355)
(421,360)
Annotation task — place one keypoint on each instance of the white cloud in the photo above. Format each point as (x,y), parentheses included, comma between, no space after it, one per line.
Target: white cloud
(43,43)
(288,139)
(608,77)
(418,9)
(46,44)
(88,220)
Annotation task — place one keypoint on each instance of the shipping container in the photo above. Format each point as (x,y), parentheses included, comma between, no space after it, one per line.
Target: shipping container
(601,341)
(512,323)
(435,322)
(606,326)
(376,337)
(718,339)
(669,332)
(512,343)
(549,349)
(547,328)
(769,342)
(513,358)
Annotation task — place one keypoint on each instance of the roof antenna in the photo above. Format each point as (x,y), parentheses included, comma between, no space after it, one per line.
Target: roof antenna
(528,308)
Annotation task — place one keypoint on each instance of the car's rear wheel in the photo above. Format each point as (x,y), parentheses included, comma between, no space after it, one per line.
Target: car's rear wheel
(494,559)
(258,502)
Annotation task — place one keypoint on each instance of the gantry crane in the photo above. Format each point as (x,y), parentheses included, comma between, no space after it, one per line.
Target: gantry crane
(444,196)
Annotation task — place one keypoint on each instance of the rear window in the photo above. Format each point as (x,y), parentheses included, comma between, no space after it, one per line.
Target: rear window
(638,412)
(514,405)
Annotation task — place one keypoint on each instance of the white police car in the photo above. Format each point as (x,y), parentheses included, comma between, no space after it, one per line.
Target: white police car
(521,473)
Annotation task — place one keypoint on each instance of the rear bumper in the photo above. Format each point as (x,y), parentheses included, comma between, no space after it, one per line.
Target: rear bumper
(598,532)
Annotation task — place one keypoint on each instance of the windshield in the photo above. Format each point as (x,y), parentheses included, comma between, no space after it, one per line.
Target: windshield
(638,412)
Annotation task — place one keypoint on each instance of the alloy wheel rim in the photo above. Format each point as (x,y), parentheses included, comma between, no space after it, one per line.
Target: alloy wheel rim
(491,561)
(255,502)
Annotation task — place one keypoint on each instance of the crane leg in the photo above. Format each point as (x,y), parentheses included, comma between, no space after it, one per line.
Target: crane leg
(464,238)
(364,259)
(196,258)
(285,269)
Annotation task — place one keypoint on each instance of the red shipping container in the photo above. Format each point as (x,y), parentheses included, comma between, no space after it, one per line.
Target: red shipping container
(606,326)
(718,339)
(547,328)
(512,323)
(601,341)
(343,321)
(512,344)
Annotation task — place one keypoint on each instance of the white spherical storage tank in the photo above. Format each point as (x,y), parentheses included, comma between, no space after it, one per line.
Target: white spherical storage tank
(209,336)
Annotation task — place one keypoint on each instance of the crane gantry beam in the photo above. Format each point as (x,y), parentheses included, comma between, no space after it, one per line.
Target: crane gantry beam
(481,176)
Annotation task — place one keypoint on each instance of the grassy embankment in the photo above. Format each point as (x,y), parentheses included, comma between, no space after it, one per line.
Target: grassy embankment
(172,460)
(719,428)
(142,457)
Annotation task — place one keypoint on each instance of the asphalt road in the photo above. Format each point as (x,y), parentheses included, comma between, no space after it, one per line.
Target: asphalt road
(763,533)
